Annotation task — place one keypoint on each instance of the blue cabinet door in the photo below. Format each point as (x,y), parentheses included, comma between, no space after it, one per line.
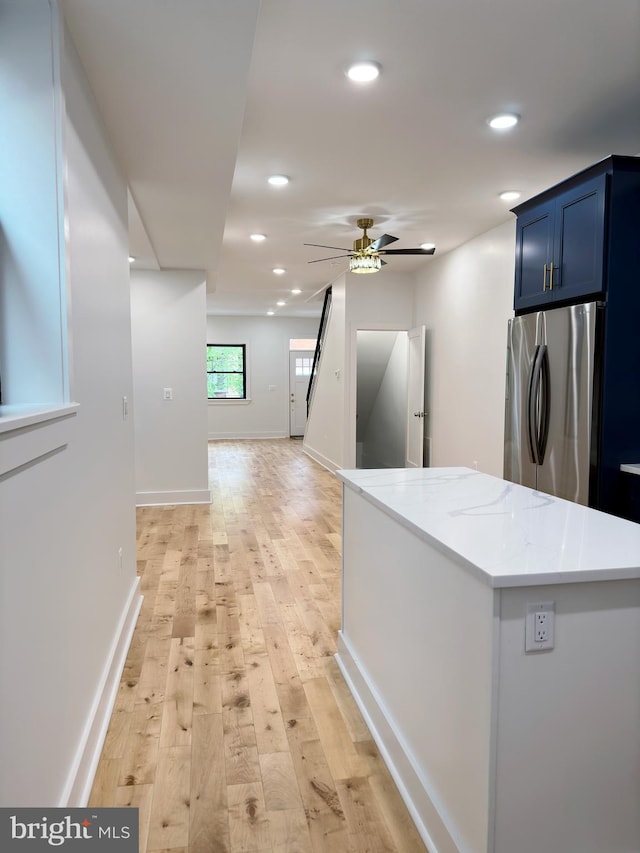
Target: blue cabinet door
(534,251)
(560,247)
(579,241)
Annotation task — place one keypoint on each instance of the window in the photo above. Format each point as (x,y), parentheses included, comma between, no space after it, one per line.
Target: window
(303,365)
(226,372)
(302,343)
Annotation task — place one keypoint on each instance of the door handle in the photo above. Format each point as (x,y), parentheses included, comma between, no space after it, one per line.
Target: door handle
(418,414)
(544,408)
(532,431)
(293,399)
(548,268)
(538,405)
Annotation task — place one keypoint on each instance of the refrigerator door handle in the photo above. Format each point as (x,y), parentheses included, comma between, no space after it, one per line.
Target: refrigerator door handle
(544,401)
(532,426)
(538,405)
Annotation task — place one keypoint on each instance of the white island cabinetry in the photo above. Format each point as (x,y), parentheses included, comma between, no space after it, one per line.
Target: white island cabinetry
(495,749)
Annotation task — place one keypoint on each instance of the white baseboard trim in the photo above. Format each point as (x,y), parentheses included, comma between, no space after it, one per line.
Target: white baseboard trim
(215,436)
(186,496)
(395,753)
(320,458)
(80,779)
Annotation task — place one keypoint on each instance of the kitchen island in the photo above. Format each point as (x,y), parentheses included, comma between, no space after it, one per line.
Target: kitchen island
(495,749)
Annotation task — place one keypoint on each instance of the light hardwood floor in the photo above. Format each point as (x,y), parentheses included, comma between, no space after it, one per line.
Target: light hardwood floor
(233,729)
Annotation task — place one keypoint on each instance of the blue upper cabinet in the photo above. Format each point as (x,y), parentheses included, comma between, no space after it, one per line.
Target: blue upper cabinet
(560,243)
(534,251)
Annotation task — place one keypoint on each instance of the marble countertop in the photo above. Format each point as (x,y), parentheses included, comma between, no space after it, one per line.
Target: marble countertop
(508,535)
(632,468)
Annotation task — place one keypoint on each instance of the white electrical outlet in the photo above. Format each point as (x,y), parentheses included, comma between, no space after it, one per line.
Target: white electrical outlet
(541,626)
(539,632)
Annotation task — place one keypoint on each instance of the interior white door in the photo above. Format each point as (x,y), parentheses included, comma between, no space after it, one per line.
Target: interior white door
(415,398)
(300,363)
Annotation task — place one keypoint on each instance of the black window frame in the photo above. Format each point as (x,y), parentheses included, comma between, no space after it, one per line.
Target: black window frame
(242,372)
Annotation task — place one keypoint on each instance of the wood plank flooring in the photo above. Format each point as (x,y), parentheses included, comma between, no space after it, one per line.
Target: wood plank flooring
(233,729)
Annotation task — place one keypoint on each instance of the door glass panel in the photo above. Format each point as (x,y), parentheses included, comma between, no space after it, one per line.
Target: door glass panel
(303,366)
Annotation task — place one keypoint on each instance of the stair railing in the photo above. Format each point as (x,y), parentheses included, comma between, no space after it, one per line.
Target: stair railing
(322,331)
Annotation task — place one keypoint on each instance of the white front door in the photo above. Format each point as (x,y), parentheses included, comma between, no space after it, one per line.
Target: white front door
(300,363)
(415,398)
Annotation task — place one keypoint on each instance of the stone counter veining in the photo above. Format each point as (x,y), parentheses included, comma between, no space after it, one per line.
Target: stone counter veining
(504,533)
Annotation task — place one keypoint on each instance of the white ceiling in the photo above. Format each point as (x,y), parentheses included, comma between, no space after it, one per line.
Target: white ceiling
(203,99)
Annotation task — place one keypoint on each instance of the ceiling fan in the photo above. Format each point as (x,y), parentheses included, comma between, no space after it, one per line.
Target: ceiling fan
(365,255)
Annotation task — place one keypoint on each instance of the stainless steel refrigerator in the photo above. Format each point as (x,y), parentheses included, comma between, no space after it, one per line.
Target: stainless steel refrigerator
(552,401)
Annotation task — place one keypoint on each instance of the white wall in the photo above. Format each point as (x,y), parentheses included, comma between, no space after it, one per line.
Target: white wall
(380,301)
(425,681)
(67,596)
(266,413)
(383,298)
(324,436)
(168,316)
(465,299)
(587,731)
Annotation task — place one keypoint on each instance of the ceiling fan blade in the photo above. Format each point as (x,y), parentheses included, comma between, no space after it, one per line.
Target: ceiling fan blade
(381,241)
(407,252)
(321,246)
(317,260)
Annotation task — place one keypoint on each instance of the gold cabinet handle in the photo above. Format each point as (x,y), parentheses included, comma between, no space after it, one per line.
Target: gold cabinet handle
(544,277)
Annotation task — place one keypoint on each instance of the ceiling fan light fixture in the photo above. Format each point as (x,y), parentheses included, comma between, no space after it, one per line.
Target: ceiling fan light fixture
(278,180)
(504,121)
(364,71)
(364,264)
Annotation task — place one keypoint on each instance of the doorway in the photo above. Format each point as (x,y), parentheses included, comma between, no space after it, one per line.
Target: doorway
(300,364)
(390,392)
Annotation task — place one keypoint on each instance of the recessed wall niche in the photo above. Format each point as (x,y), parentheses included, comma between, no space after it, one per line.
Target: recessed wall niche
(33,364)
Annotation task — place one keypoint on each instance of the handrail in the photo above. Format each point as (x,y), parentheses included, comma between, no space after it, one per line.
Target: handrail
(319,344)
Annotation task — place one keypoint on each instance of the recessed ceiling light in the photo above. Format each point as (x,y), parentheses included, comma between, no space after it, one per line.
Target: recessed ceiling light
(510,195)
(278,270)
(427,246)
(296,290)
(363,72)
(270,313)
(131,259)
(504,121)
(258,238)
(281,303)
(278,180)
